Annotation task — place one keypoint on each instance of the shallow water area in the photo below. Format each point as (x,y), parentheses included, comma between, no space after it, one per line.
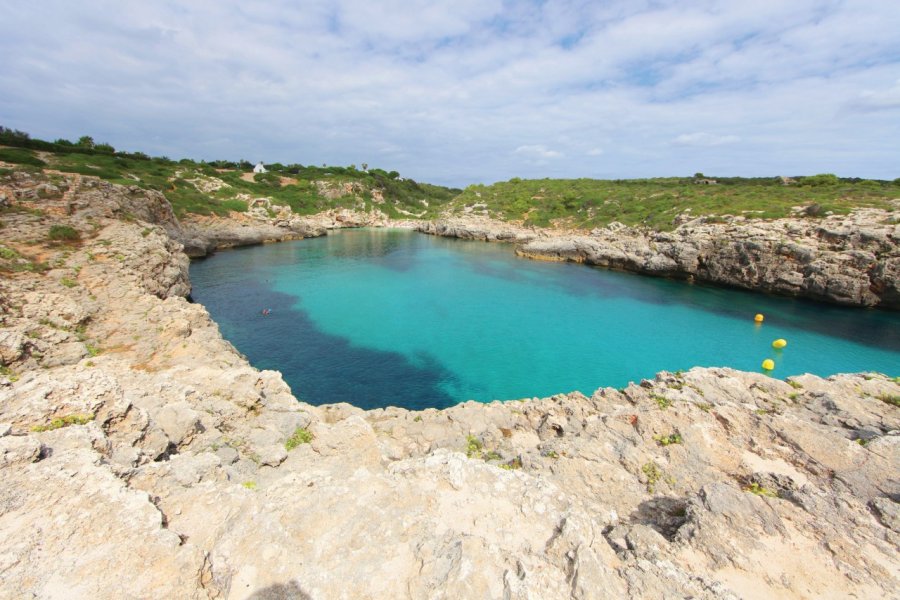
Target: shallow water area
(389,317)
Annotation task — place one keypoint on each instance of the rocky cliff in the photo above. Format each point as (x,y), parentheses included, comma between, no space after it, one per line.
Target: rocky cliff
(852,259)
(142,457)
(201,235)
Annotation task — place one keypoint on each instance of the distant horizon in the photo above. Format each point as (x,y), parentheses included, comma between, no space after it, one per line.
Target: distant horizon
(465,185)
(470,91)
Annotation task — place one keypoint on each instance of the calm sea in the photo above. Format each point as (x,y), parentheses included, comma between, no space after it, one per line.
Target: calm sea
(392,317)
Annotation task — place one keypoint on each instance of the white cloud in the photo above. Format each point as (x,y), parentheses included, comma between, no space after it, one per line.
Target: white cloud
(441,90)
(870,101)
(595,152)
(537,151)
(702,138)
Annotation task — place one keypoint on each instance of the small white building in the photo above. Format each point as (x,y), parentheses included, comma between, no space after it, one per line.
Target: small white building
(259,168)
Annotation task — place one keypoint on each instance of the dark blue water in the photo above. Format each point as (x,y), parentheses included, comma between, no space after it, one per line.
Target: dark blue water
(392,317)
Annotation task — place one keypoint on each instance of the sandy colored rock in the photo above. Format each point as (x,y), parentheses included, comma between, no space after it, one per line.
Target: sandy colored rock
(851,259)
(144,458)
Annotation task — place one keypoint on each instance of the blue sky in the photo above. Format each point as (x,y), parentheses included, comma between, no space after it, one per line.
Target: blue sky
(469,91)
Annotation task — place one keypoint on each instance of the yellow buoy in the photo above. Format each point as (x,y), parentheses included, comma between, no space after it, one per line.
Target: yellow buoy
(768,364)
(779,343)
(759,318)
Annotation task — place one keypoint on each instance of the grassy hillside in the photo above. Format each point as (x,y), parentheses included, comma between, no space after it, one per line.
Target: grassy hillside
(218,187)
(222,186)
(587,203)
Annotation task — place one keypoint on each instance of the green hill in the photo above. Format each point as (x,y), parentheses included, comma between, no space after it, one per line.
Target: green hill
(221,186)
(218,187)
(588,203)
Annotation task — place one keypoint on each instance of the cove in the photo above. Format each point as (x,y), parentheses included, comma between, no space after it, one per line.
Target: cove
(390,317)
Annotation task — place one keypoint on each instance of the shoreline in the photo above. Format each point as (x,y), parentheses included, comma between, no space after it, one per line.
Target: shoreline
(798,306)
(130,427)
(850,260)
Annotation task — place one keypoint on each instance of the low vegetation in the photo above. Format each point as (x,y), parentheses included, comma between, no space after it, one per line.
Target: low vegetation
(892,399)
(668,440)
(63,233)
(8,373)
(301,436)
(65,421)
(20,156)
(474,447)
(653,474)
(655,203)
(13,262)
(755,488)
(222,186)
(662,402)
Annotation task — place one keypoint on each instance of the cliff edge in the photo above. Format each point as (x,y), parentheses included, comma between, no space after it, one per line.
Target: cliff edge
(141,456)
(843,259)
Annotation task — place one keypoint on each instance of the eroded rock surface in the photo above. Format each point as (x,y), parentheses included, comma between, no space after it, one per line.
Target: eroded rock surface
(266,223)
(852,259)
(142,457)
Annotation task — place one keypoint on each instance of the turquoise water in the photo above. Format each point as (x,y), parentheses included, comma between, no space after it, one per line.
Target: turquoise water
(393,317)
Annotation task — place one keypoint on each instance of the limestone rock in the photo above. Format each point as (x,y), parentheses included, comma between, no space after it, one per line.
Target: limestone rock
(852,259)
(157,466)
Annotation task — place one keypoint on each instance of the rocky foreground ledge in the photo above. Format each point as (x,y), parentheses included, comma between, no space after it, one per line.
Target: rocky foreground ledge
(142,457)
(844,259)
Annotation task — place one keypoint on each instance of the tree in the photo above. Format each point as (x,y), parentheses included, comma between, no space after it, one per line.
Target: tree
(104,148)
(86,141)
(821,179)
(365,166)
(13,133)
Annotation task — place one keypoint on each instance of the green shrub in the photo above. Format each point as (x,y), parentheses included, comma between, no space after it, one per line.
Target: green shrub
(63,233)
(301,436)
(20,156)
(668,440)
(662,402)
(892,399)
(66,421)
(474,446)
(512,465)
(821,179)
(755,488)
(653,473)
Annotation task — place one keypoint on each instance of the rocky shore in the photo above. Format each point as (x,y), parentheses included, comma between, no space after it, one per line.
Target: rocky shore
(851,260)
(843,259)
(201,235)
(142,457)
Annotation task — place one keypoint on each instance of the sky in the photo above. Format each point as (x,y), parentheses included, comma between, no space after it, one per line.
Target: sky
(457,92)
